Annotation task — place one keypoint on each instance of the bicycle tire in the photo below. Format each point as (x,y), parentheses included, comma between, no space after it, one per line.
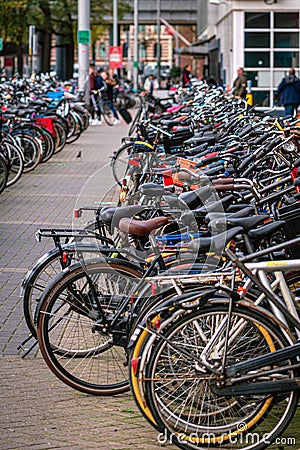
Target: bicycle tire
(48,144)
(119,162)
(76,127)
(31,149)
(94,365)
(16,162)
(107,113)
(3,172)
(60,136)
(206,420)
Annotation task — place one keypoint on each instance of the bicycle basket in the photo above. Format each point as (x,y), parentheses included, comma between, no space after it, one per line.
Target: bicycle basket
(291,215)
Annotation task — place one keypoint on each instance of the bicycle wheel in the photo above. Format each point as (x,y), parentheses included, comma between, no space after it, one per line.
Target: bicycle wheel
(75,347)
(178,387)
(16,162)
(107,113)
(119,162)
(75,127)
(31,149)
(48,145)
(61,136)
(3,172)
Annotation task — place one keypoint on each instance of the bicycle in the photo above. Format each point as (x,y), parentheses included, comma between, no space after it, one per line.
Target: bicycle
(205,364)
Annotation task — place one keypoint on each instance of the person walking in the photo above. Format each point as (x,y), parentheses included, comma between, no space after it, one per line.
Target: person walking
(239,87)
(289,93)
(94,97)
(186,75)
(110,84)
(151,84)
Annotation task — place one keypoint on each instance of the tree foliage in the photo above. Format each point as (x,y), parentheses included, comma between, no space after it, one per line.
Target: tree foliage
(55,21)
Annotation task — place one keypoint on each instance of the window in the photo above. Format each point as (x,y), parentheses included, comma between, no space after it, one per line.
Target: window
(257,40)
(286,20)
(259,78)
(261,98)
(272,46)
(286,40)
(257,20)
(102,50)
(142,51)
(257,59)
(286,59)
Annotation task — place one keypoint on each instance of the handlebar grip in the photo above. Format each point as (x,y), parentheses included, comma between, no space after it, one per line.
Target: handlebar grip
(272,144)
(261,139)
(223,181)
(245,131)
(246,161)
(223,187)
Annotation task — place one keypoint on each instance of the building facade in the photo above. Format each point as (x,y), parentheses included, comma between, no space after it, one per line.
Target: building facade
(263,36)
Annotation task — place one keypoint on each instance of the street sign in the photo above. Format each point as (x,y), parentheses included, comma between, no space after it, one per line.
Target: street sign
(84,36)
(115,57)
(1,44)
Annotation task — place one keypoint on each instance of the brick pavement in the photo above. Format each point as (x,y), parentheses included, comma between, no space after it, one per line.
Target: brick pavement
(38,411)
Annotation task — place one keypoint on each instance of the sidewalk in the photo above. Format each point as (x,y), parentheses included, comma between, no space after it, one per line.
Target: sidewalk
(38,411)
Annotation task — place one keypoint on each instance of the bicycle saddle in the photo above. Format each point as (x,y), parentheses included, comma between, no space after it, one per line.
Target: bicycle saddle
(244,212)
(194,199)
(266,230)
(141,227)
(214,243)
(247,223)
(111,216)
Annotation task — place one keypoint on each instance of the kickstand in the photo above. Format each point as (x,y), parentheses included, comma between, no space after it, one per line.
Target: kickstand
(27,351)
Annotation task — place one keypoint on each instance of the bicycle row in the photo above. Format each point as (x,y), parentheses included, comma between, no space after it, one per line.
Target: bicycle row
(187,289)
(37,120)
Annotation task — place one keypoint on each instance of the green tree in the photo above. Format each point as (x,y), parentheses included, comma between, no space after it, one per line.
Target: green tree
(55,21)
(13,26)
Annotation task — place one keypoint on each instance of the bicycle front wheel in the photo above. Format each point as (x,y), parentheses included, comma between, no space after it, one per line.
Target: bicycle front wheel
(178,388)
(78,350)
(119,162)
(107,114)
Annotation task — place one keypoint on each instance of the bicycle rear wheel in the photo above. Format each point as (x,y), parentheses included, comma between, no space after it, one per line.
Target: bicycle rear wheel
(77,350)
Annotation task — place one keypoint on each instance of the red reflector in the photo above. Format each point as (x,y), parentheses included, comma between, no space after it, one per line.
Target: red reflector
(64,257)
(153,288)
(134,365)
(134,162)
(131,298)
(157,324)
(241,290)
(124,183)
(76,213)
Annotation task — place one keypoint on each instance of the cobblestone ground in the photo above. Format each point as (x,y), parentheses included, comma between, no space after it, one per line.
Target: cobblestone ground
(38,411)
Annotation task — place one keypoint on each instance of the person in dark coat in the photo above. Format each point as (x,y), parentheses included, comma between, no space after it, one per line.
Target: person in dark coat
(239,88)
(289,92)
(186,75)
